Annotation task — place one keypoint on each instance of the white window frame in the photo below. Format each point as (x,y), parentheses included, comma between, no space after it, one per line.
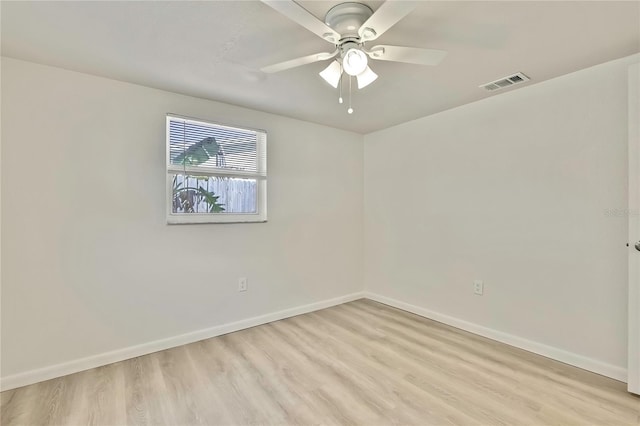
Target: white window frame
(198,218)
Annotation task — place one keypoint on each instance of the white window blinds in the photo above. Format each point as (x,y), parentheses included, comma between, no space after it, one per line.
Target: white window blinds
(204,149)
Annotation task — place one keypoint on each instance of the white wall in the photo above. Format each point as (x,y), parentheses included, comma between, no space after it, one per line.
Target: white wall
(516,190)
(525,190)
(89,264)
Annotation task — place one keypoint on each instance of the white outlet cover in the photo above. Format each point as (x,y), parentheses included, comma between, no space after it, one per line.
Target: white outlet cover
(243,284)
(478,287)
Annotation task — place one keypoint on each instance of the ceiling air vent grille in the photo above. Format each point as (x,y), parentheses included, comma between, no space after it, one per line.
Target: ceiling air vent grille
(505,82)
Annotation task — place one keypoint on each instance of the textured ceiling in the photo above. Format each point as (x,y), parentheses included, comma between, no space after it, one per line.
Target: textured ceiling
(214,50)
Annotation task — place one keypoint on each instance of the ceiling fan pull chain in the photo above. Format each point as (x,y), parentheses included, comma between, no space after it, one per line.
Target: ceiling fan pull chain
(350,110)
(340,87)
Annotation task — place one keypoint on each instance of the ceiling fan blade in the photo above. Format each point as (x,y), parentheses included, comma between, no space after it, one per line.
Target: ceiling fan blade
(410,55)
(384,18)
(301,16)
(292,63)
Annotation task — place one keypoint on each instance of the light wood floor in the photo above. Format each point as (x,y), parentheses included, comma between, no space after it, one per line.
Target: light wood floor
(358,363)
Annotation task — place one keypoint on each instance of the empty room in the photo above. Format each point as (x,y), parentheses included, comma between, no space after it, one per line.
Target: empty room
(279,212)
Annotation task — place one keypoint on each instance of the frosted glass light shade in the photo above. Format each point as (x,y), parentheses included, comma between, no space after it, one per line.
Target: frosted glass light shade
(354,62)
(366,77)
(332,73)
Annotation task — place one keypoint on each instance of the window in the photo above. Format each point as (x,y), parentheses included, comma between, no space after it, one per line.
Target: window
(215,173)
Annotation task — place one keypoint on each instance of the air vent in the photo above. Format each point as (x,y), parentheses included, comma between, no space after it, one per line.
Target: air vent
(505,82)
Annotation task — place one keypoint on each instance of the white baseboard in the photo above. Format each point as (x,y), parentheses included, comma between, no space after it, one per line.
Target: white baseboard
(58,370)
(557,354)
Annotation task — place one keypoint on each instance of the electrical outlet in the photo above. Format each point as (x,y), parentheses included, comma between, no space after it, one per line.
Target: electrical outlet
(478,287)
(243,284)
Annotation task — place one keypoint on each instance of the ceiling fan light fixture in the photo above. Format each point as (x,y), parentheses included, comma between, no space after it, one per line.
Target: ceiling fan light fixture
(354,62)
(366,77)
(332,73)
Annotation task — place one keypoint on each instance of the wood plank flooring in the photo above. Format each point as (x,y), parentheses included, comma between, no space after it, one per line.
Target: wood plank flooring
(359,363)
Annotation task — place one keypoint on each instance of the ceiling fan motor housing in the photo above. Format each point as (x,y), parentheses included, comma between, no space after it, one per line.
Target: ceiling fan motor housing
(347,45)
(347,18)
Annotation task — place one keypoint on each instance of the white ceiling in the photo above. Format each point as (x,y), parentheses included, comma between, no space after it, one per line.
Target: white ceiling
(214,49)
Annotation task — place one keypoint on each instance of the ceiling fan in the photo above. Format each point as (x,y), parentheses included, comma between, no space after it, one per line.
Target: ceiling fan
(349,26)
